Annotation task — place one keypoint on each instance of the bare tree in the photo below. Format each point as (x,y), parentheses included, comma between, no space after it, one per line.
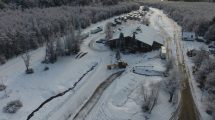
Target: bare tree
(207,67)
(73,42)
(3,86)
(172,83)
(210,82)
(70,38)
(26,58)
(51,53)
(77,43)
(211,105)
(145,21)
(169,64)
(150,97)
(108,31)
(200,57)
(60,47)
(2,59)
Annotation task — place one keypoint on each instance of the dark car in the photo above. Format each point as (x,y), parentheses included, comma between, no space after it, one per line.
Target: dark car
(211,46)
(113,24)
(102,40)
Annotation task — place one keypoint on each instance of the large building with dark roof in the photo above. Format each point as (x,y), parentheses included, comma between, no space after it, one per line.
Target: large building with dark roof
(136,37)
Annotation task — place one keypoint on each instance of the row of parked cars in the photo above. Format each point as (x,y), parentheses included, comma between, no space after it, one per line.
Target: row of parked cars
(94,31)
(135,15)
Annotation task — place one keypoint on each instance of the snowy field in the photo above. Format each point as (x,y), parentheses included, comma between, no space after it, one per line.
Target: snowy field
(33,89)
(122,100)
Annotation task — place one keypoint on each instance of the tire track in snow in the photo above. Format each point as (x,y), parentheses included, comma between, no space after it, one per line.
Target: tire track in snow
(60,94)
(95,97)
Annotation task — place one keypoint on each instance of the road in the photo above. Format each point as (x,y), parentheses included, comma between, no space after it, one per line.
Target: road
(187,109)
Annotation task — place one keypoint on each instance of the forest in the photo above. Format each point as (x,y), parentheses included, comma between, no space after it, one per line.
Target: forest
(14,4)
(24,29)
(198,17)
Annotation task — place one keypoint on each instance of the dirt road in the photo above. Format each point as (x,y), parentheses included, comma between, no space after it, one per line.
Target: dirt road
(187,109)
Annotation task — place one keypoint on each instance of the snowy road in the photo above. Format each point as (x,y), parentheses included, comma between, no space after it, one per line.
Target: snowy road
(188,109)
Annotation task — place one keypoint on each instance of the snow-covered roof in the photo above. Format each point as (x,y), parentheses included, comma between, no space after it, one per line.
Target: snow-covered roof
(145,34)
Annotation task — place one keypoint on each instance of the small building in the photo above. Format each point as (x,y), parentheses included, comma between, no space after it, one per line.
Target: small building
(188,36)
(136,38)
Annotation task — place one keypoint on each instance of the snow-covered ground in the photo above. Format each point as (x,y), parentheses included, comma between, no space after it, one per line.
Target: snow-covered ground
(122,100)
(124,97)
(33,89)
(197,93)
(167,27)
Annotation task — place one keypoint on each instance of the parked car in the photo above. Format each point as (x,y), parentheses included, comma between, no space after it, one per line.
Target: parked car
(98,29)
(200,39)
(102,40)
(117,21)
(113,24)
(211,46)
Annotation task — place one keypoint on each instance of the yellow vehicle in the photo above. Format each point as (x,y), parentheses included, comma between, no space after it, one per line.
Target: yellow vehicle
(120,64)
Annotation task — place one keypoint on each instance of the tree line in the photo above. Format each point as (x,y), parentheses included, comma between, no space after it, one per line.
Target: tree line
(14,4)
(195,0)
(204,73)
(198,17)
(21,30)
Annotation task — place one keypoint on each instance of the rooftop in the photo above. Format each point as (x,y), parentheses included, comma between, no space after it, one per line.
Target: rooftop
(143,33)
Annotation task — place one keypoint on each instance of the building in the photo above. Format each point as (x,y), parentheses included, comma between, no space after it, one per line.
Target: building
(189,36)
(163,52)
(136,38)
